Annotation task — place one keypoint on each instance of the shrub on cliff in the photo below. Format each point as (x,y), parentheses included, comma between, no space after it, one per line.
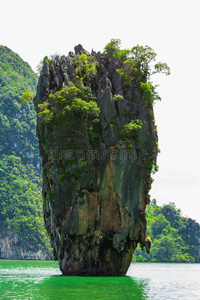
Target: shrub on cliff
(140,57)
(75,100)
(136,63)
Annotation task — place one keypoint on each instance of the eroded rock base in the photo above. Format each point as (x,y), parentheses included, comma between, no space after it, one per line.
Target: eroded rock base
(95,262)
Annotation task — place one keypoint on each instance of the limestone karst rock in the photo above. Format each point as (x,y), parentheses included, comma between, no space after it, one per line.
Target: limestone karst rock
(98,142)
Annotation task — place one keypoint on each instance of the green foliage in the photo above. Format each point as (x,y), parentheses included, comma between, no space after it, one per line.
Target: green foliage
(84,66)
(131,130)
(47,60)
(128,73)
(26,97)
(76,101)
(140,57)
(113,48)
(124,54)
(45,112)
(174,238)
(118,98)
(136,64)
(76,106)
(159,225)
(149,93)
(20,162)
(161,68)
(17,121)
(143,56)
(151,167)
(82,107)
(21,201)
(95,136)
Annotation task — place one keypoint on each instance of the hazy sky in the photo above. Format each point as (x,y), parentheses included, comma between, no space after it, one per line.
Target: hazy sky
(34,29)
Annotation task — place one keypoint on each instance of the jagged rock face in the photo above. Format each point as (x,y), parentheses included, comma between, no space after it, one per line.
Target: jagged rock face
(96,165)
(12,246)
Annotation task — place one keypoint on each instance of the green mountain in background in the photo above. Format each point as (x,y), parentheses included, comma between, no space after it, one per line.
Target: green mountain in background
(22,232)
(174,238)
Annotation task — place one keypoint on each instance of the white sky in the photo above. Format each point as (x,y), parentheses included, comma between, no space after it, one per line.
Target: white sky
(36,28)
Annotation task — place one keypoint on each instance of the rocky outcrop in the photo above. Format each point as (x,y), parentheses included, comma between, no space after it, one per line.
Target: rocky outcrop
(98,142)
(12,246)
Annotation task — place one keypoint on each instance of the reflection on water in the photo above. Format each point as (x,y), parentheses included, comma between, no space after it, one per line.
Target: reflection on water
(43,280)
(93,288)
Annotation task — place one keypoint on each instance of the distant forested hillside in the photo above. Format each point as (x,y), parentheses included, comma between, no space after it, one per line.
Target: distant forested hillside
(21,215)
(174,238)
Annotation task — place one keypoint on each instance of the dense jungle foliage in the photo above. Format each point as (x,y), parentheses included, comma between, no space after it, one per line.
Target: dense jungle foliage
(174,238)
(20,163)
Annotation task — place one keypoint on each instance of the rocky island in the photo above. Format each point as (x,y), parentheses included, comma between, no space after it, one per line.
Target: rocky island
(98,141)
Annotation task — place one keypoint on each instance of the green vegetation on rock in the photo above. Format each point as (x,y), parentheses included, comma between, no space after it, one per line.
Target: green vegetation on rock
(136,65)
(75,101)
(131,129)
(139,57)
(85,66)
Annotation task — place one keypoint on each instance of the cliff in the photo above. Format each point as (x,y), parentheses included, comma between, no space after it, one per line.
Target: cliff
(98,141)
(14,246)
(22,231)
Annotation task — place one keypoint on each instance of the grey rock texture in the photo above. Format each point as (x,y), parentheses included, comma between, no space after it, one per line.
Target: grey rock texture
(12,246)
(96,179)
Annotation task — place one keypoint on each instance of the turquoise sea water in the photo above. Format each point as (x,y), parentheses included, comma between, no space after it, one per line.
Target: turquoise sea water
(43,280)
